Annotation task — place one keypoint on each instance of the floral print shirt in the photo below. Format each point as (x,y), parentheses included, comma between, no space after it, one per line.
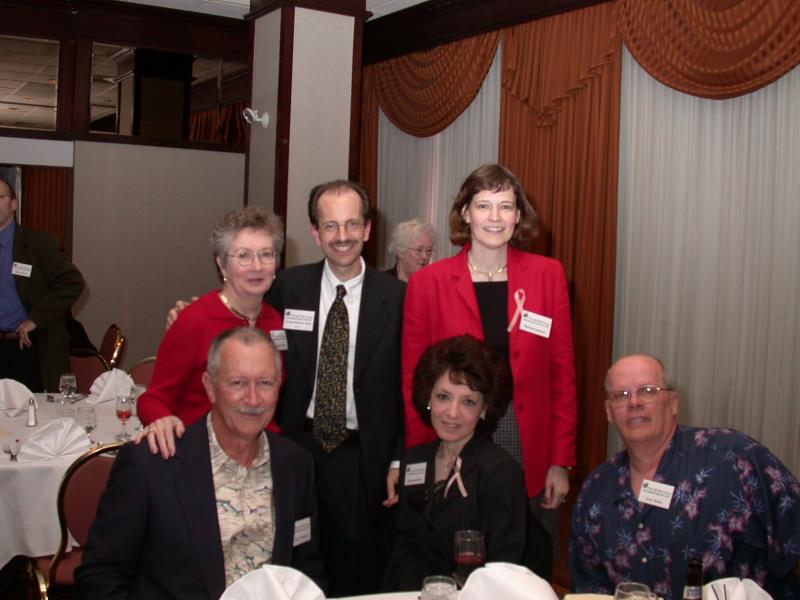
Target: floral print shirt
(734,504)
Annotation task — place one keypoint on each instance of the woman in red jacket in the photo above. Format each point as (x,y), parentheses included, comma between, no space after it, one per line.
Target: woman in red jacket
(517,302)
(246,243)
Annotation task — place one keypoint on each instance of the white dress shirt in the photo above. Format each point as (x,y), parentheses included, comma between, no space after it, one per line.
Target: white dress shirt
(352,301)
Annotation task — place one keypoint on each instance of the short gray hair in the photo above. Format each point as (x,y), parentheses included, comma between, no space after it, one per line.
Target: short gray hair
(247,336)
(667,380)
(249,217)
(405,232)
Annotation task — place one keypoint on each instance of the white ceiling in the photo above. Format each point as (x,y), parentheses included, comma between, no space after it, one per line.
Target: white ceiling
(238,8)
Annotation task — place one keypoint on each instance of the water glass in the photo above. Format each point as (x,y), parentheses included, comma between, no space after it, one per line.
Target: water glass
(630,590)
(87,418)
(67,385)
(439,587)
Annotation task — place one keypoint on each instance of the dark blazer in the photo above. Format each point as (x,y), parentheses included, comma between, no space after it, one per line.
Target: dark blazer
(47,295)
(157,535)
(376,377)
(496,504)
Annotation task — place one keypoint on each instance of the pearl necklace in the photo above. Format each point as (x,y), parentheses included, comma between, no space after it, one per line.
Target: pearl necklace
(230,307)
(489,274)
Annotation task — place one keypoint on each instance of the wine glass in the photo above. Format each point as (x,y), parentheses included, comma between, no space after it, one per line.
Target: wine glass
(438,587)
(124,411)
(136,391)
(67,385)
(87,418)
(630,590)
(469,554)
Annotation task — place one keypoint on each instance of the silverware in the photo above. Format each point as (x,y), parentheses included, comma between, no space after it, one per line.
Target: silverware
(78,398)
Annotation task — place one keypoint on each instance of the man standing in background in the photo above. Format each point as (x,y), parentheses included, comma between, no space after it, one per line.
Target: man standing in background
(38,285)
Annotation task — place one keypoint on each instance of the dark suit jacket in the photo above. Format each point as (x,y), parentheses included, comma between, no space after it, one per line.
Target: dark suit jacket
(157,535)
(376,377)
(496,504)
(47,295)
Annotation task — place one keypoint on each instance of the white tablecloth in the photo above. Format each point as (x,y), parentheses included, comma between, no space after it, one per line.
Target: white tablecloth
(388,596)
(28,490)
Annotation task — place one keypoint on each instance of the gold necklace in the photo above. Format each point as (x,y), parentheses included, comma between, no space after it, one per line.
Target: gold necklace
(489,274)
(230,307)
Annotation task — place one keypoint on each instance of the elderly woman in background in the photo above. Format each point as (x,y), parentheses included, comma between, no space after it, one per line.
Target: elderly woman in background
(412,246)
(246,243)
(462,480)
(518,303)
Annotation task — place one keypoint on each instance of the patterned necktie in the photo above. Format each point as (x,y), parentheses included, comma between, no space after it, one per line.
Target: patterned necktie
(330,424)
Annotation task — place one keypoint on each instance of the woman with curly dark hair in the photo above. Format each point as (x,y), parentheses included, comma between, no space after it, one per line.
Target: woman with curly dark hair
(462,480)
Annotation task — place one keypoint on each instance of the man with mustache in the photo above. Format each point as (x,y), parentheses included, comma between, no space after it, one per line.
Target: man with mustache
(233,497)
(678,492)
(353,443)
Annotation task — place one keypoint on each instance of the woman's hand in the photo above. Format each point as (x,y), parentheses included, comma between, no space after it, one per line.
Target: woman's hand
(556,486)
(172,315)
(161,435)
(392,498)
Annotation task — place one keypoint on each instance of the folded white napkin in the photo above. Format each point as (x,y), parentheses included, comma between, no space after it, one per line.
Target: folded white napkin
(14,397)
(276,583)
(507,581)
(61,437)
(734,588)
(109,385)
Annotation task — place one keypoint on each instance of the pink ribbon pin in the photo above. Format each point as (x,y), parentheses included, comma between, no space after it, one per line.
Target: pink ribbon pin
(519,298)
(457,478)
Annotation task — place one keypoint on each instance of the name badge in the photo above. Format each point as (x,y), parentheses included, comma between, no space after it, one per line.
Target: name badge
(302,531)
(279,338)
(415,474)
(536,324)
(656,494)
(298,320)
(21,269)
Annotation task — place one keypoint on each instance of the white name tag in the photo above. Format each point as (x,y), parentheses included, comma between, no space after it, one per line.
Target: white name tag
(656,494)
(21,269)
(302,531)
(298,320)
(415,474)
(536,324)
(279,338)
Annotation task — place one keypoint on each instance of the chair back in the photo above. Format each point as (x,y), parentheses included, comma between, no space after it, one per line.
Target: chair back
(78,496)
(87,365)
(142,371)
(112,345)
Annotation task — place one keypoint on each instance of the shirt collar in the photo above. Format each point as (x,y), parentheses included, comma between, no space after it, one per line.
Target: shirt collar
(219,457)
(621,462)
(329,279)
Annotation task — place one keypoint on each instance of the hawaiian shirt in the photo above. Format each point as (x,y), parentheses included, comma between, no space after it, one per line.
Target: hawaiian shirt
(734,504)
(244,508)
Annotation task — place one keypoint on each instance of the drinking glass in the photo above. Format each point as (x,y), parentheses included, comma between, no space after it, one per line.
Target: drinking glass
(67,385)
(124,411)
(136,391)
(438,587)
(629,590)
(87,418)
(12,449)
(469,553)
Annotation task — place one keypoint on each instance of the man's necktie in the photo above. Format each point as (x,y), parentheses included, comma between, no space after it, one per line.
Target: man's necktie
(330,424)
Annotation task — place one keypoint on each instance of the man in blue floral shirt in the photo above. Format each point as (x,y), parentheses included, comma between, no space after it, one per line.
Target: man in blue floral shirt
(681,491)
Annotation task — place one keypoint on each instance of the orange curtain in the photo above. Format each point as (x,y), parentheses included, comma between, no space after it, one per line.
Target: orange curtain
(219,125)
(713,48)
(45,195)
(559,128)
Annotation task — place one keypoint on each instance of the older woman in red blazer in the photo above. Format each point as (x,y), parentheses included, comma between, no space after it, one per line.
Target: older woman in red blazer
(517,302)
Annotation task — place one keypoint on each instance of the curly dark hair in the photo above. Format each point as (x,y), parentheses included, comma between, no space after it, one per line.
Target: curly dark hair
(470,362)
(493,178)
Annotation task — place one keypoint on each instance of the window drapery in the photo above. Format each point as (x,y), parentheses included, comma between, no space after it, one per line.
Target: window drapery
(559,135)
(713,49)
(222,124)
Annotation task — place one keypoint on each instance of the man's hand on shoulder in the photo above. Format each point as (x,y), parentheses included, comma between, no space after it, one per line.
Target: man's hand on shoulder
(173,313)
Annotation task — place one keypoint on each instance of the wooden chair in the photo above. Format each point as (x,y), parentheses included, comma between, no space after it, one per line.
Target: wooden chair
(142,371)
(78,496)
(87,365)
(112,345)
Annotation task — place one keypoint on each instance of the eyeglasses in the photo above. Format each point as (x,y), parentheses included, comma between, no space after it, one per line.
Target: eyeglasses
(647,394)
(427,250)
(352,226)
(244,256)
